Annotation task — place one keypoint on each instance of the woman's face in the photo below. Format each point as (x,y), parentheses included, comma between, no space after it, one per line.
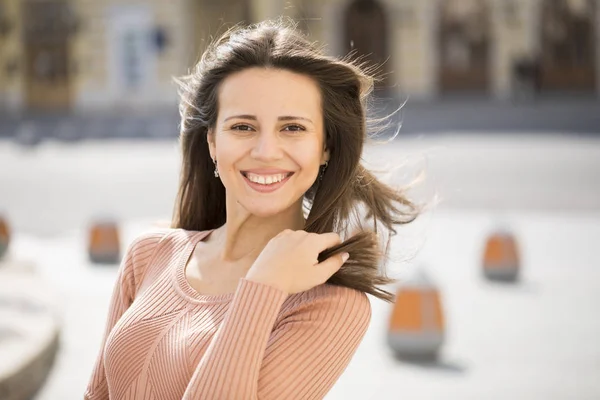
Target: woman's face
(268,139)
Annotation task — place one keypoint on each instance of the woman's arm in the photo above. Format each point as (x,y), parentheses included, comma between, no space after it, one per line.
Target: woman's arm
(137,256)
(300,358)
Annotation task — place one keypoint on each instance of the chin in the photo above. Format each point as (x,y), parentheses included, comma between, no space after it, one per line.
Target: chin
(265,208)
(264,212)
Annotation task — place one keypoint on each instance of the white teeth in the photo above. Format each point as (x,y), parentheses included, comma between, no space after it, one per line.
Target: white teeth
(265,180)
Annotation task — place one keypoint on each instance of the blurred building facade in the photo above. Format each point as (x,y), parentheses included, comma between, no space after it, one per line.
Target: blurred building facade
(122,54)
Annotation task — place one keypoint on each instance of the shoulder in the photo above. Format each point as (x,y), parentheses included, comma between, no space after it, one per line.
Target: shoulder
(331,304)
(153,240)
(150,236)
(144,244)
(140,251)
(153,250)
(333,295)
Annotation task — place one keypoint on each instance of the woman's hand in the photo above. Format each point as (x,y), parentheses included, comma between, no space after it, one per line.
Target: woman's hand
(289,261)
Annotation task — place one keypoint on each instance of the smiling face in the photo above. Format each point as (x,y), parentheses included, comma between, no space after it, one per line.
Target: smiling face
(268,139)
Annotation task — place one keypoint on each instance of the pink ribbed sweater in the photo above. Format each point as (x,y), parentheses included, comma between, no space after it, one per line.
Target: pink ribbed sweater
(164,340)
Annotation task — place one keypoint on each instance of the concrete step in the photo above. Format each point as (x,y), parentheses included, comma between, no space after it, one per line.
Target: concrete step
(29,330)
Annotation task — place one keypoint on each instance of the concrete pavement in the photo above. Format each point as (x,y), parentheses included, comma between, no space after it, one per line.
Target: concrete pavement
(537,339)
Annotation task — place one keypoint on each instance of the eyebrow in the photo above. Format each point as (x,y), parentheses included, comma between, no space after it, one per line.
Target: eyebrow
(282,118)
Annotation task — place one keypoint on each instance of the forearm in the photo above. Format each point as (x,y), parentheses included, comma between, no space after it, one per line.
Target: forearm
(231,365)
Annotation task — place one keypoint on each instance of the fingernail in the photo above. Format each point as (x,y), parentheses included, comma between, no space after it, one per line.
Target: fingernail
(345,256)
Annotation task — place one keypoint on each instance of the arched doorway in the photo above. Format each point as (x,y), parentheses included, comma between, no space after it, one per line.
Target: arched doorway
(210,19)
(464,46)
(365,31)
(47,26)
(568,51)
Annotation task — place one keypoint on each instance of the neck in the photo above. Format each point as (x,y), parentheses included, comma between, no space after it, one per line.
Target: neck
(244,236)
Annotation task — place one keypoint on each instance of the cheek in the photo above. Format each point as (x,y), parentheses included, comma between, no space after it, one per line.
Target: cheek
(226,160)
(307,155)
(310,166)
(228,152)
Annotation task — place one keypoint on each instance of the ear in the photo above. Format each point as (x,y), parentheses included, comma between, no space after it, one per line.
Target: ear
(212,148)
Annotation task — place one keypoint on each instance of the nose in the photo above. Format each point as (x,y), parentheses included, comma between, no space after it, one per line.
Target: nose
(267,147)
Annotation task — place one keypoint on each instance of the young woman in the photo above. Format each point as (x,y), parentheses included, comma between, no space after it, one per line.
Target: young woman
(252,294)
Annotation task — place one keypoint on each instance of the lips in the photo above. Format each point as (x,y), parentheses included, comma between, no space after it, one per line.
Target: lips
(267,171)
(287,173)
(266,188)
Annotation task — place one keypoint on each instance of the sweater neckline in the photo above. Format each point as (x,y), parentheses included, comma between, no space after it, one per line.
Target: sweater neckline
(185,289)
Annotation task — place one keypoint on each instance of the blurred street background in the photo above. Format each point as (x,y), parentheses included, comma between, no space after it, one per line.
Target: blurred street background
(499,113)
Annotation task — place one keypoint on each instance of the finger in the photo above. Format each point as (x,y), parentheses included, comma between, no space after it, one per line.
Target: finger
(330,266)
(326,240)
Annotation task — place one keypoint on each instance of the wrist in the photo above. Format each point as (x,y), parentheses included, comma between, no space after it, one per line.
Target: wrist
(263,280)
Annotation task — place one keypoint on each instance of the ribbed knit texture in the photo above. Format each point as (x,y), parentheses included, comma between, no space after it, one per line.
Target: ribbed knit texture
(164,340)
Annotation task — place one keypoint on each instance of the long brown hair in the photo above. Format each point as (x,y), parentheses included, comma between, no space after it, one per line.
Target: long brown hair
(346,187)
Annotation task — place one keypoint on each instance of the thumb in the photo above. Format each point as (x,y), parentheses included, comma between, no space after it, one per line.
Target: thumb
(331,265)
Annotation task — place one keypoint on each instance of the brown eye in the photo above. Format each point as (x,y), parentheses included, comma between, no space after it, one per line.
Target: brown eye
(241,127)
(294,128)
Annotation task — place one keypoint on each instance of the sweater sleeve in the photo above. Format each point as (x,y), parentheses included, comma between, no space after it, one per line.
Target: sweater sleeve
(299,357)
(137,256)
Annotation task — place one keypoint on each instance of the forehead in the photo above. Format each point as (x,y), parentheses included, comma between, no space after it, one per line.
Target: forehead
(262,91)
